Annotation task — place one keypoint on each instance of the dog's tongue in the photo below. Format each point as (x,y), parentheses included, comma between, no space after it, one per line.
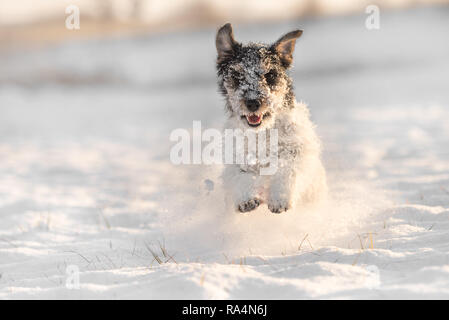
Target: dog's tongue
(253,118)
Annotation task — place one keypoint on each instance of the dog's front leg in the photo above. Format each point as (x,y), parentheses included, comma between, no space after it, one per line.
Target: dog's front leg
(242,187)
(281,192)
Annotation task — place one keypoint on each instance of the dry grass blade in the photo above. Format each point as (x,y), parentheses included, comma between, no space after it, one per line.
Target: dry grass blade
(163,250)
(310,244)
(72,251)
(105,220)
(242,264)
(171,258)
(203,276)
(361,244)
(155,256)
(300,245)
(134,248)
(110,261)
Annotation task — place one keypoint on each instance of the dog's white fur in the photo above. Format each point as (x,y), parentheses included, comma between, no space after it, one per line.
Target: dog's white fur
(300,177)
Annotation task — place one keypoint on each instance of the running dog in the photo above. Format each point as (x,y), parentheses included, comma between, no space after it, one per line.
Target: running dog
(258,91)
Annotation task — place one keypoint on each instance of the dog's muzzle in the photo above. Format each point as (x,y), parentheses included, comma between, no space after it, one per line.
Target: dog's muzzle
(254,119)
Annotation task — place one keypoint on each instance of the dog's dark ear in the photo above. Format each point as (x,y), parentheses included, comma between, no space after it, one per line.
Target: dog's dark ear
(225,42)
(285,47)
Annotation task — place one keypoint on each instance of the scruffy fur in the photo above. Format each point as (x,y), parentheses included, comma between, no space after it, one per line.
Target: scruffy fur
(259,95)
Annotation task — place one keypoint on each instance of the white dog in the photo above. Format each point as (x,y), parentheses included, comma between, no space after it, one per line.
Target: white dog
(259,95)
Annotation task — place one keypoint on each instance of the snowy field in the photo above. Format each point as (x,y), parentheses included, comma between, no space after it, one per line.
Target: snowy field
(86,182)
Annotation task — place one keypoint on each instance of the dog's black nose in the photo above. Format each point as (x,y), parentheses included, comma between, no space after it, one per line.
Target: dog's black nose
(253,105)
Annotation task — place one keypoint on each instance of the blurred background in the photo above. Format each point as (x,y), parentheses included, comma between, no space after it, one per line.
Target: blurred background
(37,22)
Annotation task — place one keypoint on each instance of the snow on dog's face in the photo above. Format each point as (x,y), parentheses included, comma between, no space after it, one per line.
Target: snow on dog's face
(253,78)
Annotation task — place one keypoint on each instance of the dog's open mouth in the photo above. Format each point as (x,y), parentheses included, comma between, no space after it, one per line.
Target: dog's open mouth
(254,120)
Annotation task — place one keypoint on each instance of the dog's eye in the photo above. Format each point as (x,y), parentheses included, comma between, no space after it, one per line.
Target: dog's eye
(235,78)
(271,77)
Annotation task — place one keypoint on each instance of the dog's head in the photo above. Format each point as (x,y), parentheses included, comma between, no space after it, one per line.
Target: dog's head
(253,78)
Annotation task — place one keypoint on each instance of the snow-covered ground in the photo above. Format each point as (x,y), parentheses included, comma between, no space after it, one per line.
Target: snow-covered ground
(86,182)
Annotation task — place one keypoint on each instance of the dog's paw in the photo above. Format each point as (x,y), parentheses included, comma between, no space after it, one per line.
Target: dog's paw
(279,206)
(249,205)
